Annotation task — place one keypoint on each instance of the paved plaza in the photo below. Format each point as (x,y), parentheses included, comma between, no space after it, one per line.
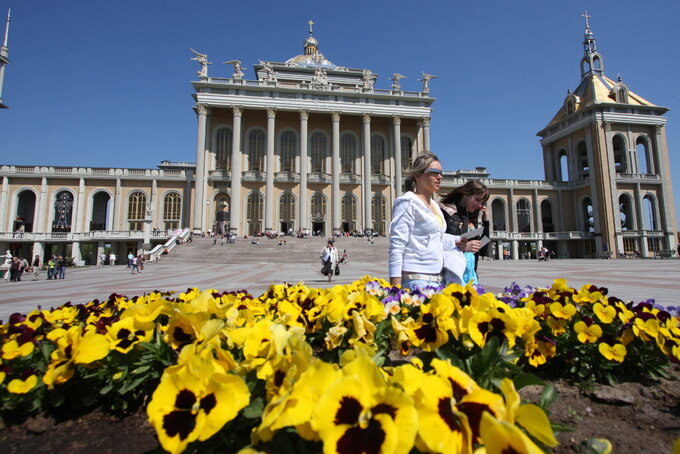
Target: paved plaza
(254,267)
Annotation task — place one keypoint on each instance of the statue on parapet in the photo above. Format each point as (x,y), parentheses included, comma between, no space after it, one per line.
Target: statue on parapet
(270,76)
(238,69)
(426,78)
(368,78)
(396,77)
(202,60)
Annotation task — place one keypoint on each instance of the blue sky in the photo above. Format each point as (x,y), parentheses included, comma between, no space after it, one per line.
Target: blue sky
(101,83)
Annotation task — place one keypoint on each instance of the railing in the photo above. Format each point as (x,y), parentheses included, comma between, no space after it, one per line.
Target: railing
(537,236)
(51,170)
(638,176)
(168,245)
(253,175)
(97,235)
(316,177)
(286,177)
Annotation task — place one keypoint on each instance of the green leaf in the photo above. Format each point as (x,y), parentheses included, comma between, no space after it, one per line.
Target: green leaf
(548,397)
(523,379)
(106,389)
(255,409)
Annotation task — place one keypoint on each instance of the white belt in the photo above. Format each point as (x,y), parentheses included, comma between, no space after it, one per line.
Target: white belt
(422,277)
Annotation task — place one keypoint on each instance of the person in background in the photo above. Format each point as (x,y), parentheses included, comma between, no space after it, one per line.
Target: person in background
(461,208)
(14,268)
(330,256)
(417,231)
(61,267)
(37,265)
(51,264)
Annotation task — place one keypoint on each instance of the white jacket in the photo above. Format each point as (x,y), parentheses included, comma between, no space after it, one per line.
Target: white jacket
(417,238)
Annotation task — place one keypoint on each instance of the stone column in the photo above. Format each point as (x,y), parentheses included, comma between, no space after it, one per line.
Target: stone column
(269,185)
(154,202)
(515,250)
(666,201)
(366,180)
(304,217)
(80,204)
(640,219)
(199,175)
(76,255)
(235,209)
(335,187)
(396,123)
(426,134)
(118,206)
(39,221)
(3,203)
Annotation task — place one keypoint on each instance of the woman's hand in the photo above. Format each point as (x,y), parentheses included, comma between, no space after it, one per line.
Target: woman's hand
(394,281)
(485,213)
(473,246)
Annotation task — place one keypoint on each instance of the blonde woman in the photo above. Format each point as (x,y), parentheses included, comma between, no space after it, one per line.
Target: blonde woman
(417,232)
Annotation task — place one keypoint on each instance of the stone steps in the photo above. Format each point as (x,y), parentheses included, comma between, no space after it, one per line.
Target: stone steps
(296,250)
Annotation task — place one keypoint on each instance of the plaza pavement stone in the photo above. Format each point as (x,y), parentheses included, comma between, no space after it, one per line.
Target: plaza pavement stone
(251,267)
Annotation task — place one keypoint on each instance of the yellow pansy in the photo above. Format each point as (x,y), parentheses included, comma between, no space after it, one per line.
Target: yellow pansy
(12,349)
(616,352)
(606,314)
(501,437)
(18,386)
(565,311)
(587,334)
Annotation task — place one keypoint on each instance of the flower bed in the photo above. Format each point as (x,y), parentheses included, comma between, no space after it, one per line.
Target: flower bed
(363,366)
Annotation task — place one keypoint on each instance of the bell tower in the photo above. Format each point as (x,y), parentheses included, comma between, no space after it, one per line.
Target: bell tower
(605,151)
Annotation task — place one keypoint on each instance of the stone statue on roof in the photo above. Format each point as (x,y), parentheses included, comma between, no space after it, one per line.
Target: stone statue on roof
(202,60)
(238,69)
(396,77)
(368,78)
(320,79)
(269,74)
(426,78)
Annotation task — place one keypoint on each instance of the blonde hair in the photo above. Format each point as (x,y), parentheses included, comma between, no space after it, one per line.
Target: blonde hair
(419,165)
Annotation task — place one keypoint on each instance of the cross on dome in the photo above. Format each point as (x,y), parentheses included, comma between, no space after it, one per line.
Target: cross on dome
(311,23)
(585,15)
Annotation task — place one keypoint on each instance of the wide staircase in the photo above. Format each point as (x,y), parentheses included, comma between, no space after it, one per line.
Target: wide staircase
(296,250)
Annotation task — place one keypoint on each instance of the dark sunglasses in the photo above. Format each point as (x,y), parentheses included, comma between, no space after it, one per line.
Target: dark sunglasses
(433,172)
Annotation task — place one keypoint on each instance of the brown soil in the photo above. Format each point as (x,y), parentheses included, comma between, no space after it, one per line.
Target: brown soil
(634,417)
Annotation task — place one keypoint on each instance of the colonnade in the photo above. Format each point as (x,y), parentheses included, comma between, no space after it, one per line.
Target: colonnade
(202,148)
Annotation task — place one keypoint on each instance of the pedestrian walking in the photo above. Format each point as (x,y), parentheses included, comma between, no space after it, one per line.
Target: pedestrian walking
(61,267)
(112,259)
(51,265)
(102,260)
(37,265)
(14,269)
(130,257)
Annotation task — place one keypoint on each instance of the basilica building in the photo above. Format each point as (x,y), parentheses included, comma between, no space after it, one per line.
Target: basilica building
(306,145)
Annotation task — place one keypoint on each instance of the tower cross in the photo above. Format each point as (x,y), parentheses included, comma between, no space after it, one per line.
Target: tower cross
(586,16)
(311,22)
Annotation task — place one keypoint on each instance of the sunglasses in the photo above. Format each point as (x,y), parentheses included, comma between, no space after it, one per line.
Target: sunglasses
(433,172)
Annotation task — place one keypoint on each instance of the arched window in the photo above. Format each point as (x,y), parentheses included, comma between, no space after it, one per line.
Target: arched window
(288,151)
(100,211)
(406,150)
(25,211)
(588,215)
(318,207)
(641,145)
(136,210)
(256,143)
(619,146)
(287,208)
(319,151)
(223,142)
(622,95)
(348,154)
(348,209)
(172,211)
(377,155)
(547,216)
(498,215)
(254,213)
(63,212)
(564,166)
(649,210)
(378,212)
(582,153)
(222,213)
(523,215)
(625,212)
